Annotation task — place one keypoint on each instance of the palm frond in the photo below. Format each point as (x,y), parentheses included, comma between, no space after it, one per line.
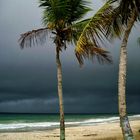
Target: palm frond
(77,29)
(81,24)
(66,11)
(92,52)
(126,7)
(33,37)
(55,11)
(100,27)
(77,9)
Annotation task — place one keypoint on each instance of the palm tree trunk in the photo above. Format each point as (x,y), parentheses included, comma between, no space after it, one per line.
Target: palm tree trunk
(60,95)
(124,122)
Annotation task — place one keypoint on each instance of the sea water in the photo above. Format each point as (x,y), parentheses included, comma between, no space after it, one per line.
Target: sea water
(34,122)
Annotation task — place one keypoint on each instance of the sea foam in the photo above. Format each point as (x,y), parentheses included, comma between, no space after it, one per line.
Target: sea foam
(23,126)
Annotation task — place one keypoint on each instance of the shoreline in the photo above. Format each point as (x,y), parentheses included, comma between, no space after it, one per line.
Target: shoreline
(29,126)
(106,131)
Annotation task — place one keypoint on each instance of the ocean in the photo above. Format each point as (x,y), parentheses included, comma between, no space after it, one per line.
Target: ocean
(35,122)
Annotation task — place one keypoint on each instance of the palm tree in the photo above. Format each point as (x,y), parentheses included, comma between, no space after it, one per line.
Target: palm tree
(127,13)
(62,19)
(130,11)
(124,122)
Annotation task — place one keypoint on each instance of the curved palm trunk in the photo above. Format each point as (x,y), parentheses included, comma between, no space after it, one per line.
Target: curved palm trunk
(124,122)
(60,95)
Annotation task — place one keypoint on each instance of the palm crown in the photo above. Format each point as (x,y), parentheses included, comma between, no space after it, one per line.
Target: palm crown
(126,7)
(58,17)
(63,19)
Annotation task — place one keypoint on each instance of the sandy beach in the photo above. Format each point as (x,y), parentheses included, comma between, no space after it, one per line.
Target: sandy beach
(105,131)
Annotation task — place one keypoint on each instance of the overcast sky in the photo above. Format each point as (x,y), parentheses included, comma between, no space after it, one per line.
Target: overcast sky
(28,77)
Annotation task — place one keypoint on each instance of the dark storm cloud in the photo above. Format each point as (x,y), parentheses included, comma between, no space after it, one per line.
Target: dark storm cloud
(28,77)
